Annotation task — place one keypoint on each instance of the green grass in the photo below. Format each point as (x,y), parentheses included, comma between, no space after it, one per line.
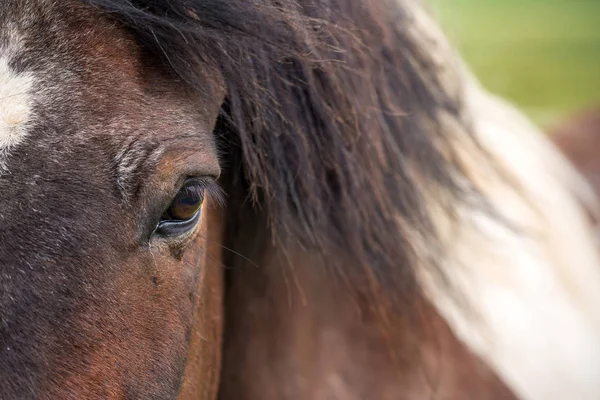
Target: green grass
(544,55)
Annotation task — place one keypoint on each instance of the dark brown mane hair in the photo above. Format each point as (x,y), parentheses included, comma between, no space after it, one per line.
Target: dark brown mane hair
(331,124)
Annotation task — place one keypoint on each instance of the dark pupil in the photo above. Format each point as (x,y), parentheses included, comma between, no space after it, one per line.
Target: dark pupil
(185,205)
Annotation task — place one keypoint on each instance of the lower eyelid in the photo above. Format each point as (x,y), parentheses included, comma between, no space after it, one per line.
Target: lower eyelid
(167,229)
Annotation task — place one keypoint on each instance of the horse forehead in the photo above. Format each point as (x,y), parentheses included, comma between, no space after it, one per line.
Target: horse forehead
(88,77)
(52,57)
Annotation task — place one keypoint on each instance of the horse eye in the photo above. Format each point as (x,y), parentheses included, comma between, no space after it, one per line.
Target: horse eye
(185,204)
(184,211)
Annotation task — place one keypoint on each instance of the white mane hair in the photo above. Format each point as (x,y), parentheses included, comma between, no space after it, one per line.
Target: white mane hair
(532,285)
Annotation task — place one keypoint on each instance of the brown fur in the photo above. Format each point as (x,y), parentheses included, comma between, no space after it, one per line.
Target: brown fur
(578,136)
(201,379)
(293,332)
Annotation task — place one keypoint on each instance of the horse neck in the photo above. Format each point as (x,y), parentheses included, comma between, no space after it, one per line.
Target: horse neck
(292,331)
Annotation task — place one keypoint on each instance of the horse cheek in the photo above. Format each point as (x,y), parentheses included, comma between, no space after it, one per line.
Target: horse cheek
(201,378)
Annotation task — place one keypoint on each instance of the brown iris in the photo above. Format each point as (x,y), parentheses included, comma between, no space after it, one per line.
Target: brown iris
(186,203)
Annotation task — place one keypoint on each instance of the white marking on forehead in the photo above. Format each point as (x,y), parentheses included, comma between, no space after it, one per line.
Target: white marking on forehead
(15,99)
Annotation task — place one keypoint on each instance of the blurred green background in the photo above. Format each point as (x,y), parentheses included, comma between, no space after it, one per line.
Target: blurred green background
(543,55)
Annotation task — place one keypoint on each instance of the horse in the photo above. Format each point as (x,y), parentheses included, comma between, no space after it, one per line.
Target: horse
(578,137)
(308,199)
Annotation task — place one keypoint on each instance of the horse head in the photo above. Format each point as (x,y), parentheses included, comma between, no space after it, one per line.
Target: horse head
(108,178)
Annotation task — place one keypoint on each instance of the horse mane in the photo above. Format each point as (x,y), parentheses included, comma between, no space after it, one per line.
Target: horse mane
(337,123)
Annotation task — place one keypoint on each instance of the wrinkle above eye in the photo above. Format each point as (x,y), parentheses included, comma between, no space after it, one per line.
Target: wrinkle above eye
(141,161)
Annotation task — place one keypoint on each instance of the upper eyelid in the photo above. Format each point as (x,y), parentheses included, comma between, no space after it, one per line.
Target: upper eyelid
(210,186)
(140,161)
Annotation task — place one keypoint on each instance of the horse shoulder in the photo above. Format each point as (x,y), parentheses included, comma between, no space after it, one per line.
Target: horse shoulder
(529,279)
